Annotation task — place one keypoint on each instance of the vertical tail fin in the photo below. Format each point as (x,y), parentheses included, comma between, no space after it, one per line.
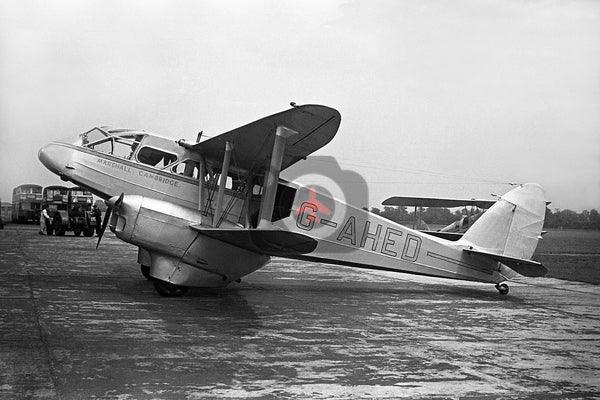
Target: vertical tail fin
(513,225)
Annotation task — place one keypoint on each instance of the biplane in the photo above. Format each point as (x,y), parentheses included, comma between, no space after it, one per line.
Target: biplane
(207,213)
(472,210)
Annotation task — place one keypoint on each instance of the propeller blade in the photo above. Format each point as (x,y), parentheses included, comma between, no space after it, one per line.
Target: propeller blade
(119,201)
(116,206)
(104,223)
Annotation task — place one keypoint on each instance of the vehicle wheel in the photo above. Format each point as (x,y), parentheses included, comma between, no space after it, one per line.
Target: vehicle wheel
(146,271)
(77,232)
(502,288)
(59,229)
(168,289)
(89,232)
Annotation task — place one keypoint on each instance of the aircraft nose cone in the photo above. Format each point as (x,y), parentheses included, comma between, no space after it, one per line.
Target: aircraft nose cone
(43,155)
(48,156)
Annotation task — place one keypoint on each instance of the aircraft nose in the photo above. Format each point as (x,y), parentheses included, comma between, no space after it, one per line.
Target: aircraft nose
(48,156)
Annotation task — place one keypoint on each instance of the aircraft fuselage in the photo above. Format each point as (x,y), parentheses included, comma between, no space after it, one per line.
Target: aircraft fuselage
(163,181)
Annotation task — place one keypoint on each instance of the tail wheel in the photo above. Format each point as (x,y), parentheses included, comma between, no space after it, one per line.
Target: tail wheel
(168,289)
(502,288)
(145,271)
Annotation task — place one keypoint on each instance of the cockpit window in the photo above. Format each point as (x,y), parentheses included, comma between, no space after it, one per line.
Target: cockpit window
(94,135)
(121,146)
(104,145)
(155,157)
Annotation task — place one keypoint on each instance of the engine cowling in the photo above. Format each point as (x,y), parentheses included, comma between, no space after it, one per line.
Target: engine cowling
(179,254)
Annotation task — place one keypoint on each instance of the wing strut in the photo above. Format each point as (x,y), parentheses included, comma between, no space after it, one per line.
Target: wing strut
(222,182)
(272,178)
(201,181)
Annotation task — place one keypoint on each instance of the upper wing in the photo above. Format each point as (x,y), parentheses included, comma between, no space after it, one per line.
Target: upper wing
(436,202)
(253,143)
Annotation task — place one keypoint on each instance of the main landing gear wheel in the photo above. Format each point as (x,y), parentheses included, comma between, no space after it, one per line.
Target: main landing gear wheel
(502,288)
(146,271)
(168,289)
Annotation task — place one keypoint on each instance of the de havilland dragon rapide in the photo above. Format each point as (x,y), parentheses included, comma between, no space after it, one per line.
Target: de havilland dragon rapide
(207,213)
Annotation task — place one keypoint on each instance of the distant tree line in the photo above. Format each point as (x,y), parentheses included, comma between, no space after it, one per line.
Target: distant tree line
(566,219)
(570,219)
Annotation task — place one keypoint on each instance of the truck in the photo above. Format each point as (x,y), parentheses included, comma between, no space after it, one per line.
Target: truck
(70,209)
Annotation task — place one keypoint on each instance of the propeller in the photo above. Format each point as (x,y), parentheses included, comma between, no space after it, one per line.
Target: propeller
(117,205)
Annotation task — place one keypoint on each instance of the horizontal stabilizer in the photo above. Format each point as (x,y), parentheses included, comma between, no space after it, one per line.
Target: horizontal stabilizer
(524,267)
(273,242)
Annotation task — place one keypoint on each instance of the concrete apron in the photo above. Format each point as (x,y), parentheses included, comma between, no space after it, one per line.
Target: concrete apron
(81,323)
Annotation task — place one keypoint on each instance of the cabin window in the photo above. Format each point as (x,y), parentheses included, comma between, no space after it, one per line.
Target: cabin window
(188,168)
(125,146)
(154,157)
(233,183)
(257,190)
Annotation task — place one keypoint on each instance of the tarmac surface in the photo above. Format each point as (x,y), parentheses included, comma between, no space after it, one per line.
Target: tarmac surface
(81,323)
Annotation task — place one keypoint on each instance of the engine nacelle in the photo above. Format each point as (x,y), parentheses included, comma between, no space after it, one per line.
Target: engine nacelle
(179,254)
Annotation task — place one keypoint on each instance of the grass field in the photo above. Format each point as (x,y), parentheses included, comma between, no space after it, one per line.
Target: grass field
(571,254)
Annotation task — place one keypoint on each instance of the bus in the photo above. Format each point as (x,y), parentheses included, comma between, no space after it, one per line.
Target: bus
(69,210)
(56,199)
(6,214)
(27,203)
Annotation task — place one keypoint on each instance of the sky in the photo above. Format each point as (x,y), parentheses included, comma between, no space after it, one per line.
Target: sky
(438,98)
